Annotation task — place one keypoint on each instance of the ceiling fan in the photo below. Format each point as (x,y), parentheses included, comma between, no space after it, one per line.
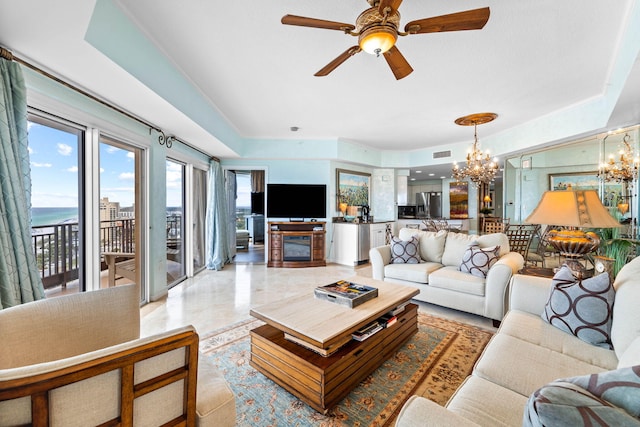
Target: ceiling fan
(377,29)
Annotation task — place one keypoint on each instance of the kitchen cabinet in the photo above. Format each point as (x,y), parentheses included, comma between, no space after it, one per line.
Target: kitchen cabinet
(379,232)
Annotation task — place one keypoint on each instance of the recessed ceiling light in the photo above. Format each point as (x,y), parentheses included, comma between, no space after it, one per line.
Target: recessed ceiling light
(412,179)
(418,171)
(442,177)
(431,174)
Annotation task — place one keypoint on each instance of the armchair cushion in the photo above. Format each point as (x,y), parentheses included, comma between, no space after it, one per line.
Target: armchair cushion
(581,307)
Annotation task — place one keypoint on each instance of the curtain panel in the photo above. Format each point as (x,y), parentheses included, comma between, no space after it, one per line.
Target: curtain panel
(218,251)
(19,278)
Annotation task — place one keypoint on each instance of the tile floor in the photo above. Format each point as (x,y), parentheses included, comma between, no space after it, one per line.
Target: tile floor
(213,299)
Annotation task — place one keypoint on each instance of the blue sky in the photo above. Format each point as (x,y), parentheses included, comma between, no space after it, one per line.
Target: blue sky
(54,171)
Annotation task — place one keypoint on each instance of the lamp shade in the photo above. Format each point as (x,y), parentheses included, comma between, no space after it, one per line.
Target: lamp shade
(581,208)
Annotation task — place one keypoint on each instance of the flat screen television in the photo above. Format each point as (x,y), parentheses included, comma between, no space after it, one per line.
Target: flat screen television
(296,201)
(257,203)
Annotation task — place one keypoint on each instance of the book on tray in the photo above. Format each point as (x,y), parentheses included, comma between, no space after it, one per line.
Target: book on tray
(346,293)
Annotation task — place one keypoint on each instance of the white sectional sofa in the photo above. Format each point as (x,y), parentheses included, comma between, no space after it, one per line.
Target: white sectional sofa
(528,355)
(438,275)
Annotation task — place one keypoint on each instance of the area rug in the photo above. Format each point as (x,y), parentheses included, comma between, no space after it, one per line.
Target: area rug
(433,363)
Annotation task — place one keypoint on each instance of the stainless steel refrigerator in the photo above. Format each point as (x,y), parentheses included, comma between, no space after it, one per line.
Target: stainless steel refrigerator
(429,204)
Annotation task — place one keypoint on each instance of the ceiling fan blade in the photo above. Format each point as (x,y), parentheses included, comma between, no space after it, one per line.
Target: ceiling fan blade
(398,64)
(339,60)
(316,23)
(468,20)
(392,4)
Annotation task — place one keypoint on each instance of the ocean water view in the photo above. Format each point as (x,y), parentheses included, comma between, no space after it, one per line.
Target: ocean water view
(49,216)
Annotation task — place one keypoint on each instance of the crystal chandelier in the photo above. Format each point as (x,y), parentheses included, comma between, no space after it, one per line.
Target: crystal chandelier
(624,171)
(479,168)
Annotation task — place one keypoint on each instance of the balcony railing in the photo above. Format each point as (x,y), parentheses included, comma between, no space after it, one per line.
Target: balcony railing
(57,250)
(57,246)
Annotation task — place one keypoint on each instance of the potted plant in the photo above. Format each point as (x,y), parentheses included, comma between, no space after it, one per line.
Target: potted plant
(486,211)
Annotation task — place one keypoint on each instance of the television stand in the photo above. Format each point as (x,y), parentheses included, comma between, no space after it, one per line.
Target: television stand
(297,244)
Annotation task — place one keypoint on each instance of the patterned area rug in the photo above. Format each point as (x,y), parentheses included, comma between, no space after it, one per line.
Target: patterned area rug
(432,363)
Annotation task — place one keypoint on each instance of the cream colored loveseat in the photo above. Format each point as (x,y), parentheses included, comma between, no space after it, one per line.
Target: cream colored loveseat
(79,360)
(438,276)
(527,353)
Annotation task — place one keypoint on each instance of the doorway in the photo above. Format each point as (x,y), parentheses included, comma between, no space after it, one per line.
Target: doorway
(249,225)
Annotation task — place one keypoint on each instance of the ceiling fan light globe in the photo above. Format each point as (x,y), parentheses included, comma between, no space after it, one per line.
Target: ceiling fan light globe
(377,39)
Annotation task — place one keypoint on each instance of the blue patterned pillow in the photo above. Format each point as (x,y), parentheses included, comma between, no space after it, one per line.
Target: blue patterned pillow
(609,398)
(478,261)
(404,251)
(581,307)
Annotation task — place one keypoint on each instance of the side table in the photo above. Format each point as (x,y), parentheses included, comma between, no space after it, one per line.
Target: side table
(537,271)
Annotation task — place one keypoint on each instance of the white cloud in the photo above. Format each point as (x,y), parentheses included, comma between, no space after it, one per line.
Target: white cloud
(131,155)
(64,149)
(72,169)
(101,170)
(40,165)
(30,150)
(111,149)
(126,176)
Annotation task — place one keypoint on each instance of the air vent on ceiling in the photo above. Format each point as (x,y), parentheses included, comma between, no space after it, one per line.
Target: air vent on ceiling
(441,154)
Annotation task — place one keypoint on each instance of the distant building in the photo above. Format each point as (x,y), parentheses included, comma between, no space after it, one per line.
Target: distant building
(128,212)
(109,211)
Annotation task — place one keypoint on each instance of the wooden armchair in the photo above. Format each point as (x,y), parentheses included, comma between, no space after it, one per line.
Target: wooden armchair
(79,360)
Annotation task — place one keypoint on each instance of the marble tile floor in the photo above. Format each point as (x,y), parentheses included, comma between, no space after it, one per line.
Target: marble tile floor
(214,299)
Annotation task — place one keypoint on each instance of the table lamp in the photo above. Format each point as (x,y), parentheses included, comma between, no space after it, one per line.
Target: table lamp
(575,210)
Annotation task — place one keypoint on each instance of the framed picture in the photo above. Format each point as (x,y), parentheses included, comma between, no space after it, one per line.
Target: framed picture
(459,200)
(352,187)
(574,181)
(613,191)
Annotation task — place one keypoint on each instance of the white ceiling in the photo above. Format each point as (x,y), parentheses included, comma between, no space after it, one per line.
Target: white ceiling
(531,60)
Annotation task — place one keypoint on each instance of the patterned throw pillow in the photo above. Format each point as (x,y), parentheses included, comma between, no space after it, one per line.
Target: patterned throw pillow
(404,251)
(609,398)
(478,261)
(581,307)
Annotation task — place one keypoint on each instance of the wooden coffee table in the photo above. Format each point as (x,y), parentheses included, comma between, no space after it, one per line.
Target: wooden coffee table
(321,381)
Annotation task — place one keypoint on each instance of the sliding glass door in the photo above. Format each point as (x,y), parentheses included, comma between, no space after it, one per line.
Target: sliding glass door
(175,223)
(121,220)
(55,154)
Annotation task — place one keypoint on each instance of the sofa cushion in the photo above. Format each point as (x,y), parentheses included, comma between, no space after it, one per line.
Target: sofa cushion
(478,261)
(631,355)
(456,245)
(608,398)
(486,403)
(627,286)
(524,367)
(418,273)
(431,242)
(581,307)
(531,328)
(453,279)
(404,251)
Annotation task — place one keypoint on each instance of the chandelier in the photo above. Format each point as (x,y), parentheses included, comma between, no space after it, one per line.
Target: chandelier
(624,171)
(479,167)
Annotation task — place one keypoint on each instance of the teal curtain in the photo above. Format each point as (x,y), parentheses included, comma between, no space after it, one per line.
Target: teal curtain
(19,278)
(217,229)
